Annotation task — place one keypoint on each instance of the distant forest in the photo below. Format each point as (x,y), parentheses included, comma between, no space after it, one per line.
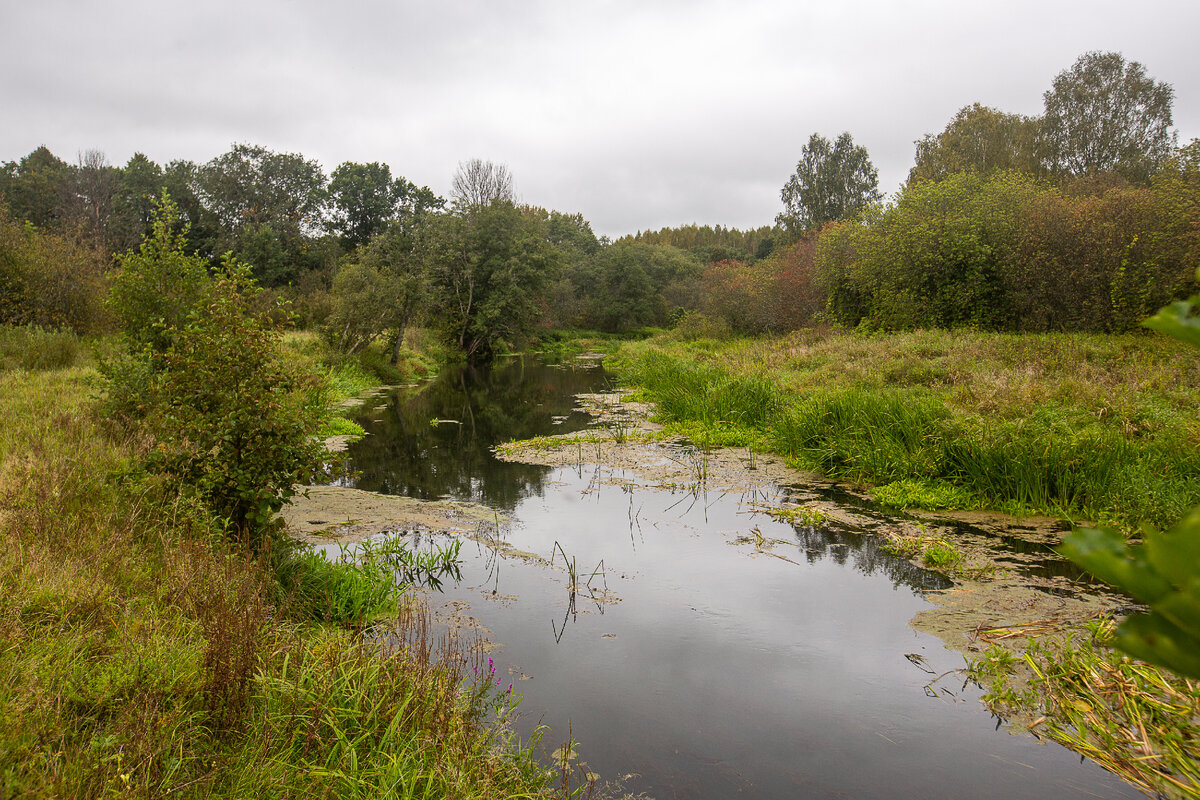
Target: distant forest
(1085,218)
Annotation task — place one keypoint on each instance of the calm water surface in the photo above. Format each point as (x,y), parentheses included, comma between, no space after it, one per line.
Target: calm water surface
(720,670)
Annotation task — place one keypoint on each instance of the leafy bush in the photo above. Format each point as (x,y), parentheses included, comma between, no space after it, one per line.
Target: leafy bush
(233,420)
(49,280)
(1006,252)
(158,286)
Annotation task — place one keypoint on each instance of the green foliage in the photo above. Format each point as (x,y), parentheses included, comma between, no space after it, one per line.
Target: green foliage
(694,392)
(233,420)
(916,493)
(880,436)
(363,583)
(37,188)
(32,348)
(1095,447)
(1106,115)
(364,300)
(978,139)
(934,552)
(263,204)
(631,284)
(489,269)
(48,279)
(141,655)
(365,199)
(379,290)
(340,426)
(1162,572)
(140,182)
(831,182)
(159,285)
(1006,252)
(340,592)
(711,243)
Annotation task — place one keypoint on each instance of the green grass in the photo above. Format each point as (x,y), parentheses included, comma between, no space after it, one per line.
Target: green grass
(1104,428)
(32,348)
(142,655)
(349,377)
(1137,721)
(340,426)
(934,552)
(560,343)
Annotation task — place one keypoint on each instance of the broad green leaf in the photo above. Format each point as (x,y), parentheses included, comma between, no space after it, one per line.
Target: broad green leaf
(1176,554)
(1177,320)
(1106,555)
(1153,638)
(1183,609)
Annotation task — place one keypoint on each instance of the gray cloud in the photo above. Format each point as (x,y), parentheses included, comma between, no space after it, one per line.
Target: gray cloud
(636,114)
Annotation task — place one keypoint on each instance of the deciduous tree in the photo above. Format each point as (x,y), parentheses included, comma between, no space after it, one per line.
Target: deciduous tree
(1106,114)
(478,183)
(257,195)
(37,188)
(365,198)
(488,272)
(832,181)
(979,139)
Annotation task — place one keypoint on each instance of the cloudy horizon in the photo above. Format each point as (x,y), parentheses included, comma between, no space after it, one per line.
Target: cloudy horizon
(637,115)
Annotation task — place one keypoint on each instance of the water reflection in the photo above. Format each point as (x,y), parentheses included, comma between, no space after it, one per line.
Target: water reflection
(721,663)
(436,443)
(865,555)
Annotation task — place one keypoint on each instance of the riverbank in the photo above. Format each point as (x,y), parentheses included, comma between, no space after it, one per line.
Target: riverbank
(1080,427)
(1033,630)
(141,655)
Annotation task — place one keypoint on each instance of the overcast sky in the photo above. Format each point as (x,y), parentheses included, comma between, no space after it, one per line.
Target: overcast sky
(637,114)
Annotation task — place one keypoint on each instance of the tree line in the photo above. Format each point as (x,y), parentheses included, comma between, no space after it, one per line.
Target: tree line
(1084,218)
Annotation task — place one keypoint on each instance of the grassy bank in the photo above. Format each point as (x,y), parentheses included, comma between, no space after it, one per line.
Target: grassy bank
(140,655)
(1094,427)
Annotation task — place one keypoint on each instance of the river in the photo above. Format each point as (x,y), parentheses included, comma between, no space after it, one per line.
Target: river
(708,649)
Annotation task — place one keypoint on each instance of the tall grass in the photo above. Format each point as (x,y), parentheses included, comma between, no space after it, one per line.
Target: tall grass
(1084,427)
(29,347)
(688,391)
(141,656)
(865,436)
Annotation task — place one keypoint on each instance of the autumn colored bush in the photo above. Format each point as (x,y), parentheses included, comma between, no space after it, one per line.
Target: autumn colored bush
(49,280)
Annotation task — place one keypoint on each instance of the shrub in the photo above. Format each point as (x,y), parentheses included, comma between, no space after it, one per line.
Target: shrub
(1005,252)
(233,419)
(49,280)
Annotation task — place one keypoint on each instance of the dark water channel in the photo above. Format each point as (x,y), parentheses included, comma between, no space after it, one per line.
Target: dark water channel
(721,670)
